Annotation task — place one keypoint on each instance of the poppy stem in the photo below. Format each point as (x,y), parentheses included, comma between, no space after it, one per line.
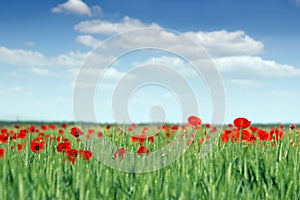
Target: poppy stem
(241,137)
(31,160)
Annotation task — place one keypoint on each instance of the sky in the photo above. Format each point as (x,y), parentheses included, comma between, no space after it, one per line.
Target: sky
(61,60)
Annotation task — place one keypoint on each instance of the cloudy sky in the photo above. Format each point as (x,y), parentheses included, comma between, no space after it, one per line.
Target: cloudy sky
(253,46)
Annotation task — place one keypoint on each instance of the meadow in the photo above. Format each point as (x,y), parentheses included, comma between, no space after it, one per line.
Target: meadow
(49,161)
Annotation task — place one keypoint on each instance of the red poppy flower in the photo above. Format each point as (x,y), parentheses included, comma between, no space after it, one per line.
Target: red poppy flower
(100,135)
(22,134)
(143,151)
(281,126)
(235,135)
(213,129)
(63,147)
(31,129)
(58,139)
(76,132)
(86,155)
(52,126)
(132,127)
(252,139)
(60,131)
(263,135)
(108,127)
(134,139)
(253,129)
(88,136)
(72,152)
(151,139)
(3,137)
(142,138)
(227,134)
(2,152)
(64,125)
(16,126)
(72,159)
(168,135)
(13,137)
(207,125)
(245,136)
(37,146)
(194,121)
(4,131)
(91,131)
(119,154)
(225,138)
(278,133)
(44,127)
(144,131)
(241,122)
(164,127)
(293,126)
(20,147)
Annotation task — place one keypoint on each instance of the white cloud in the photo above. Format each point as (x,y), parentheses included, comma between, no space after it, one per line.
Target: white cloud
(224,43)
(108,28)
(149,37)
(246,83)
(88,40)
(163,60)
(15,90)
(285,93)
(92,73)
(230,67)
(105,78)
(232,52)
(297,2)
(77,7)
(40,71)
(21,57)
(70,59)
(15,74)
(253,66)
(217,43)
(175,63)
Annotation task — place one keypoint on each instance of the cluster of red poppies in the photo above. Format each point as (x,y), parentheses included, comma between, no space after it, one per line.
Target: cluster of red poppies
(168,130)
(244,132)
(16,138)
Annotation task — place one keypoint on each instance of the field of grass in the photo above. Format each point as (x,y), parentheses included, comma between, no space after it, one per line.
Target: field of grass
(257,164)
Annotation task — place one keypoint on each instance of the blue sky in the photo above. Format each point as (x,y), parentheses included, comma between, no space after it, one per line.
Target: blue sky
(253,44)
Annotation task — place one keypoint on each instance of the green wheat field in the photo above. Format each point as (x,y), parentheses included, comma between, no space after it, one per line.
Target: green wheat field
(48,161)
